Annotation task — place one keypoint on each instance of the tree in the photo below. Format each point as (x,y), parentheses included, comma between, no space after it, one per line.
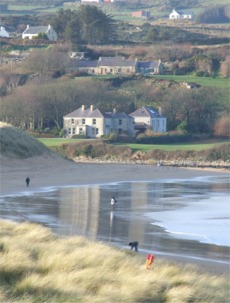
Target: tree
(86,25)
(222,127)
(44,63)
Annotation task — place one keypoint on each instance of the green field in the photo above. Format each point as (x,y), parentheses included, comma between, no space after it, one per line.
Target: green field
(203,81)
(49,142)
(142,147)
(173,147)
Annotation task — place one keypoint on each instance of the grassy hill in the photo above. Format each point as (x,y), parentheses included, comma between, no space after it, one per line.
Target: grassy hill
(17,143)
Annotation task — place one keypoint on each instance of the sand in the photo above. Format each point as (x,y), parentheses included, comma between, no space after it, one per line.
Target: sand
(54,171)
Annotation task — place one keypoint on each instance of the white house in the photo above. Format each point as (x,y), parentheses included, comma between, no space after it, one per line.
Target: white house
(179,15)
(33,31)
(92,123)
(4,33)
(146,117)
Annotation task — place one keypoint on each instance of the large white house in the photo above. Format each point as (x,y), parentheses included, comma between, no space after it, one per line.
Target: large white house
(92,123)
(33,31)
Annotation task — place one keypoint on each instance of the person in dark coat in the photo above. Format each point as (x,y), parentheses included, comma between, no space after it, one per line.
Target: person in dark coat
(134,245)
(27,181)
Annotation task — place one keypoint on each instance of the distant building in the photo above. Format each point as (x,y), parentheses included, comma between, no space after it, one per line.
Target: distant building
(141,14)
(179,15)
(4,33)
(91,122)
(148,118)
(33,31)
(117,66)
(150,67)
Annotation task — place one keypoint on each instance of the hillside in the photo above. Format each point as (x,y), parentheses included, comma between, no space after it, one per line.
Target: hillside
(16,143)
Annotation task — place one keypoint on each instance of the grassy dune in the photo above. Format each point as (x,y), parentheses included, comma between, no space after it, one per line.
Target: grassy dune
(17,143)
(36,266)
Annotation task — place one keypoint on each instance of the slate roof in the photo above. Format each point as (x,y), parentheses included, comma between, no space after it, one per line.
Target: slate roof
(146,112)
(148,64)
(32,30)
(116,115)
(87,113)
(116,61)
(85,63)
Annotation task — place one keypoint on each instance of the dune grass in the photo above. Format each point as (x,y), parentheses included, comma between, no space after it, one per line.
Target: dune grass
(37,266)
(19,144)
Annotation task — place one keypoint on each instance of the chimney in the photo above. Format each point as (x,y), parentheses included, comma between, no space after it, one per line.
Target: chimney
(27,26)
(160,111)
(91,108)
(114,111)
(49,26)
(83,107)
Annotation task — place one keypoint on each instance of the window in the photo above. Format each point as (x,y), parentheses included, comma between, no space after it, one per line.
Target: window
(97,131)
(94,121)
(74,131)
(111,70)
(80,131)
(72,121)
(83,121)
(93,71)
(69,131)
(120,121)
(119,130)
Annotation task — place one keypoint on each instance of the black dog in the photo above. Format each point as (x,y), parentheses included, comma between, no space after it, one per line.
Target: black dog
(134,245)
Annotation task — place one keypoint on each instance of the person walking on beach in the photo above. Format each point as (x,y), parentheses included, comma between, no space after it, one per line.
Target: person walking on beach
(113,201)
(27,181)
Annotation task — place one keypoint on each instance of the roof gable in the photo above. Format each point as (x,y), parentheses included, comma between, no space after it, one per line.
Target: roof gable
(116,61)
(146,112)
(33,30)
(87,113)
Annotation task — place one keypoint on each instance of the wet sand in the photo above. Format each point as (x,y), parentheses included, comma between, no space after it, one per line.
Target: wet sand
(48,171)
(53,171)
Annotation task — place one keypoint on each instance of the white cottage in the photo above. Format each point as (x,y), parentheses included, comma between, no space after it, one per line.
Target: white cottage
(33,31)
(179,15)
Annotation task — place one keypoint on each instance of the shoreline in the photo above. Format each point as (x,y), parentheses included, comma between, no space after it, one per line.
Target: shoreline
(54,171)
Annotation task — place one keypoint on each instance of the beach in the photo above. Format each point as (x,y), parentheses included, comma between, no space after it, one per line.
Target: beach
(54,171)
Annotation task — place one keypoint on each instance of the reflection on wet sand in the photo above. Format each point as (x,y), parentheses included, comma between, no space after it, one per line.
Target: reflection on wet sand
(87,211)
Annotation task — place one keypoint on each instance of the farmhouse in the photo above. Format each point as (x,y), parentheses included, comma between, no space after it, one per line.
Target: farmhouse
(179,15)
(92,123)
(148,118)
(117,66)
(33,31)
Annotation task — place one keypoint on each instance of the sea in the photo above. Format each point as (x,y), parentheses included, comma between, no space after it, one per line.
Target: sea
(187,218)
